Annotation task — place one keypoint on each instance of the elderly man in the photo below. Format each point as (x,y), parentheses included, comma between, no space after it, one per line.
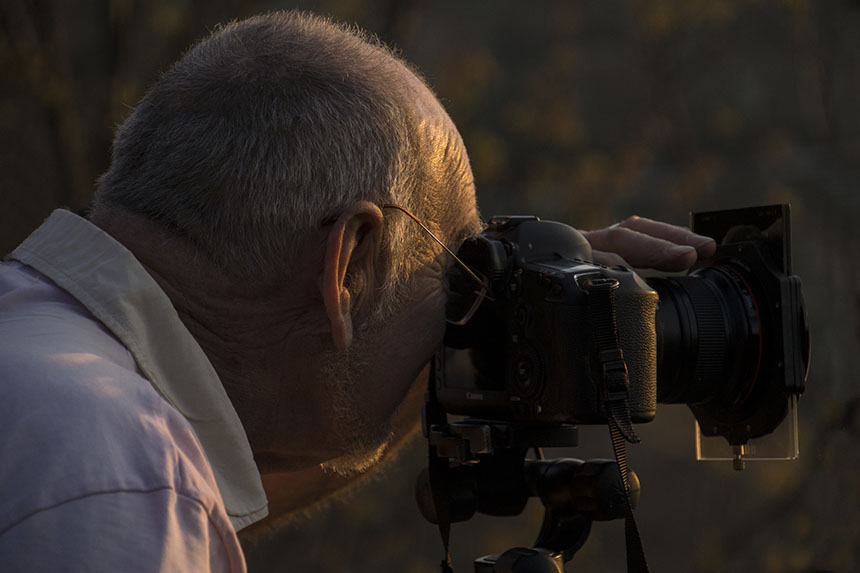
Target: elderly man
(240,318)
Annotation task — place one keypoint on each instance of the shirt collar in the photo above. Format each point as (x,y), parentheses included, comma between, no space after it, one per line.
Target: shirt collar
(112,284)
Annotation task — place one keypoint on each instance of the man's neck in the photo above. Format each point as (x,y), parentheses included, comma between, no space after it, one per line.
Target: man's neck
(248,329)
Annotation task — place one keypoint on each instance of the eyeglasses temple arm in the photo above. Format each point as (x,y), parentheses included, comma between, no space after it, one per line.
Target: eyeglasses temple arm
(441,244)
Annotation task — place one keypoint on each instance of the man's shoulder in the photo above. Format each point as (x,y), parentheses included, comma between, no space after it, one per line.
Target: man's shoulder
(77,418)
(59,366)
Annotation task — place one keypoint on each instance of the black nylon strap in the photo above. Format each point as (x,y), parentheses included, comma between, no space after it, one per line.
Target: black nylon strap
(636,562)
(615,383)
(437,465)
(615,389)
(439,482)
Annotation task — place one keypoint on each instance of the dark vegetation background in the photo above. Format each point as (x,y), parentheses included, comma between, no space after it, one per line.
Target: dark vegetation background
(584,112)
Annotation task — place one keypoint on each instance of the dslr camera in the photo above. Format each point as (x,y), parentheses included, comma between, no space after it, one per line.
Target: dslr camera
(555,341)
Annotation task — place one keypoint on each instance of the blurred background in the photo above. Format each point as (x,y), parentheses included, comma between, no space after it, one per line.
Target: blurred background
(580,111)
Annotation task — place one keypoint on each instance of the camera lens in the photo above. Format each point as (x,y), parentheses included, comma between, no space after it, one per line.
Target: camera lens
(709,334)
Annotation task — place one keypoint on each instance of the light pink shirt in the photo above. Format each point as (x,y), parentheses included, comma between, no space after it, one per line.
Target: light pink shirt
(119,449)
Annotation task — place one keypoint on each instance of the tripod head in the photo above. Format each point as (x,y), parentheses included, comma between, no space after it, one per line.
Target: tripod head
(574,493)
(481,466)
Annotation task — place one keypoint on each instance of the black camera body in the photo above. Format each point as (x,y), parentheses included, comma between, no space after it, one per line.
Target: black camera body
(534,354)
(730,339)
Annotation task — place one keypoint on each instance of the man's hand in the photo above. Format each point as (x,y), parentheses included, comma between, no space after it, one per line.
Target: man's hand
(640,243)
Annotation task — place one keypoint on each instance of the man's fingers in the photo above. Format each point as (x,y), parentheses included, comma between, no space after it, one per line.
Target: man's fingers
(646,243)
(641,250)
(705,246)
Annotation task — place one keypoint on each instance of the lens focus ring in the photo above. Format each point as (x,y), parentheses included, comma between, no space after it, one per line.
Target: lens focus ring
(710,338)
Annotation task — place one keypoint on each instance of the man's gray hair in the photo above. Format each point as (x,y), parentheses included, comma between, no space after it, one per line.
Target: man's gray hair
(261,132)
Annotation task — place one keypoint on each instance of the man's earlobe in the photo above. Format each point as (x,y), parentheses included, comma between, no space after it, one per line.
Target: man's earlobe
(350,266)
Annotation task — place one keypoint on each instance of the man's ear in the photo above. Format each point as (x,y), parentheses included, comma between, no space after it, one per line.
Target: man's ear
(349,267)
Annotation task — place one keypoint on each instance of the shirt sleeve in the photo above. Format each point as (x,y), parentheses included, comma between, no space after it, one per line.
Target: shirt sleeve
(132,531)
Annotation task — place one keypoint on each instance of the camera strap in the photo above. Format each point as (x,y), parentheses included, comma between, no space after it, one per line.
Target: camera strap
(615,388)
(438,466)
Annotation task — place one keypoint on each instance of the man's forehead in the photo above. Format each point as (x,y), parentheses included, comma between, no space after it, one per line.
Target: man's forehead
(461,220)
(472,228)
(458,216)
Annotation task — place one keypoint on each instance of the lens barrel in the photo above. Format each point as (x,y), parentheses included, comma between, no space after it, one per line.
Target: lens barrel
(708,337)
